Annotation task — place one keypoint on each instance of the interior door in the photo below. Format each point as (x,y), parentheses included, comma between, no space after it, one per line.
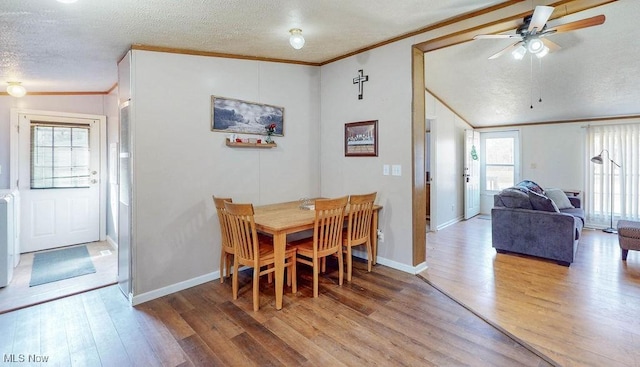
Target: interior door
(58,181)
(471,174)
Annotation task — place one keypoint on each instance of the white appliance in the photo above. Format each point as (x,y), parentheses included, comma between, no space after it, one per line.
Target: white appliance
(7,238)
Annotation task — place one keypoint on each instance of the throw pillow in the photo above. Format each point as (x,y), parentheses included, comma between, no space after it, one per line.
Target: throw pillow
(514,198)
(559,197)
(541,202)
(531,186)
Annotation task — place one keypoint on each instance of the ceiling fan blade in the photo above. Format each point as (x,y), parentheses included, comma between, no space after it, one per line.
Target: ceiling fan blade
(539,18)
(578,24)
(505,50)
(495,36)
(552,45)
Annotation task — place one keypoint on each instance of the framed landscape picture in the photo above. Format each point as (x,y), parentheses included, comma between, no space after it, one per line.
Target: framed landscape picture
(236,116)
(361,139)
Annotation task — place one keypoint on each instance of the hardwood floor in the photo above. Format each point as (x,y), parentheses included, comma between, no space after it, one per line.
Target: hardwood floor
(18,294)
(384,318)
(583,315)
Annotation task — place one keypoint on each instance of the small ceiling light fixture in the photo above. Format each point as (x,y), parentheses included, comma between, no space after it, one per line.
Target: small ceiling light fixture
(519,52)
(15,89)
(543,52)
(535,45)
(296,40)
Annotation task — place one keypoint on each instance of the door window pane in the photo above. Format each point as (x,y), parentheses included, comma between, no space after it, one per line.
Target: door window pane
(499,151)
(59,157)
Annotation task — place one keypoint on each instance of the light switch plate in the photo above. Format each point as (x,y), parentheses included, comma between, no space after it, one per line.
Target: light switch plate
(396,170)
(385,170)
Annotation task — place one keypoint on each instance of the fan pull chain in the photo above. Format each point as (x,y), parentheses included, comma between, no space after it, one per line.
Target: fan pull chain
(539,80)
(531,72)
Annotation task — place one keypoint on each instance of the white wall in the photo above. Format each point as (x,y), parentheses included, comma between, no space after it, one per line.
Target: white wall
(387,98)
(89,104)
(113,123)
(447,163)
(552,155)
(179,162)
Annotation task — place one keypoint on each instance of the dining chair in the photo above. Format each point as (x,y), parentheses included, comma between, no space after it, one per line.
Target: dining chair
(358,231)
(226,247)
(327,237)
(251,252)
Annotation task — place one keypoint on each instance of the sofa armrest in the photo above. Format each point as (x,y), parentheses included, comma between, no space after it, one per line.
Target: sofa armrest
(575,201)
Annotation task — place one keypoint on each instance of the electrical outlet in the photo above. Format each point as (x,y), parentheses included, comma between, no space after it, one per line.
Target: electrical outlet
(380,235)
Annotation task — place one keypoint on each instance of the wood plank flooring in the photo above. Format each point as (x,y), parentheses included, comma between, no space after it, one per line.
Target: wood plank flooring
(583,315)
(385,318)
(18,294)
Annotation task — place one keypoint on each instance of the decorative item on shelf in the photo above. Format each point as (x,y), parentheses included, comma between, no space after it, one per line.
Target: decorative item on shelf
(270,130)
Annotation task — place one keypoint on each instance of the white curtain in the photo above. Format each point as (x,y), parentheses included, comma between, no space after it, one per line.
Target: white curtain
(620,143)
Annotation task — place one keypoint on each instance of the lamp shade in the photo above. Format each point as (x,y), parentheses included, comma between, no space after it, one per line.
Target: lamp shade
(15,89)
(296,40)
(597,159)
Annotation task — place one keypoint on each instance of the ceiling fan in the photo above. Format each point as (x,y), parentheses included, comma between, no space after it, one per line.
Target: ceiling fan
(532,33)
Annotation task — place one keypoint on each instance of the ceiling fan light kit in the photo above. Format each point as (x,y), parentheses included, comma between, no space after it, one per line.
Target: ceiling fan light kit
(532,33)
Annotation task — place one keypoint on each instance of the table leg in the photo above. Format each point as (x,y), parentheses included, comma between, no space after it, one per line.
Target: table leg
(279,244)
(374,236)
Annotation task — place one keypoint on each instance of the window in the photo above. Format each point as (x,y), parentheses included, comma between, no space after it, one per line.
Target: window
(500,160)
(620,143)
(59,156)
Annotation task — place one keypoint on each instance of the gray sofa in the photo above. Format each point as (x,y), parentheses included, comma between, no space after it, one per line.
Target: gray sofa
(528,222)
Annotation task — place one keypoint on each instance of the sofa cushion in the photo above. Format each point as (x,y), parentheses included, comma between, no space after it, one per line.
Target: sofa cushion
(541,202)
(576,212)
(559,198)
(514,198)
(530,186)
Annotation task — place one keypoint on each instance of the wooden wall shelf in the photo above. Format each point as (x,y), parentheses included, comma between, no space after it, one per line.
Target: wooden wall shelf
(249,145)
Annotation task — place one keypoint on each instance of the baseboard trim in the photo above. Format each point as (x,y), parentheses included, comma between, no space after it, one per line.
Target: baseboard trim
(173,288)
(113,243)
(177,287)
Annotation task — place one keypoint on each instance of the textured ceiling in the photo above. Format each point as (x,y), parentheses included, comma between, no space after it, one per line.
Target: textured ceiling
(595,74)
(53,47)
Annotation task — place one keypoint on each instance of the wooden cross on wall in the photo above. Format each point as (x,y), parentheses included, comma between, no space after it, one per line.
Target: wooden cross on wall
(360,79)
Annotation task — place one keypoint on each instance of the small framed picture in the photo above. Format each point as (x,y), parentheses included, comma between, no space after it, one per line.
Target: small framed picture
(361,139)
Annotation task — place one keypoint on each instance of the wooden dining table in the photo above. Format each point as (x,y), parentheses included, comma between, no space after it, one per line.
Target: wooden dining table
(282,219)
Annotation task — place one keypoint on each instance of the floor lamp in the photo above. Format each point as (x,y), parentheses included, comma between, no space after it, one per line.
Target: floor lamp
(598,160)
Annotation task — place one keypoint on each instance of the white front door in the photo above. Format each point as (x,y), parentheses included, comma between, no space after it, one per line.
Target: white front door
(59,180)
(471,174)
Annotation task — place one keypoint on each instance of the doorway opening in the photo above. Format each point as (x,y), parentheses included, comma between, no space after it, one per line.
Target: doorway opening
(58,172)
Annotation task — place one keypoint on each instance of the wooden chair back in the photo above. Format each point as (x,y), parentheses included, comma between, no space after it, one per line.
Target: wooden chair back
(225,229)
(327,231)
(360,214)
(245,237)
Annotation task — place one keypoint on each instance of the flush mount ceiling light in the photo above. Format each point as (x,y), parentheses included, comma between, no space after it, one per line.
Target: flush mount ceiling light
(296,40)
(15,89)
